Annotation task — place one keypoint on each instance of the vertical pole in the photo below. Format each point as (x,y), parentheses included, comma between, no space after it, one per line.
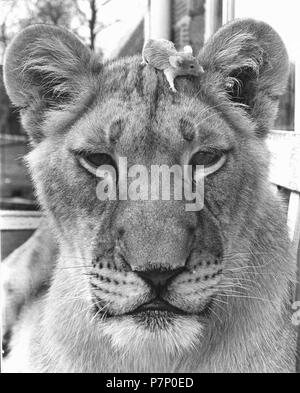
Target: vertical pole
(147,33)
(160,19)
(211,9)
(228,11)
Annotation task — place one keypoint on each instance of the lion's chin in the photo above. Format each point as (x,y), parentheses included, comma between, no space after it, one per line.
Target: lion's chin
(163,332)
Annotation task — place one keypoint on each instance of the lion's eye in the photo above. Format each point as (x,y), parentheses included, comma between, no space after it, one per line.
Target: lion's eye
(99,159)
(205,158)
(92,162)
(207,161)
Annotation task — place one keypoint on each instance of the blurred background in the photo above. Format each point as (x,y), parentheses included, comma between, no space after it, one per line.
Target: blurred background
(118,28)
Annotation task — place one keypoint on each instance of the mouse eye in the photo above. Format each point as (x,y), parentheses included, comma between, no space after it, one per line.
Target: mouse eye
(192,66)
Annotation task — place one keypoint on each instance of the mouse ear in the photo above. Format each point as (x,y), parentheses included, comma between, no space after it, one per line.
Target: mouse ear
(175,61)
(188,49)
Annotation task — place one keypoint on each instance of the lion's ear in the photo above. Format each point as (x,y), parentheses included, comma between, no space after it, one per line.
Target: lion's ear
(45,67)
(254,64)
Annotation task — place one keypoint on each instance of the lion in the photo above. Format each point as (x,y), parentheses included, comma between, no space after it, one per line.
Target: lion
(145,285)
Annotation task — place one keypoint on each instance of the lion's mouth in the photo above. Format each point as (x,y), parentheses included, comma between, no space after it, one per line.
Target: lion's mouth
(158,313)
(157,305)
(161,307)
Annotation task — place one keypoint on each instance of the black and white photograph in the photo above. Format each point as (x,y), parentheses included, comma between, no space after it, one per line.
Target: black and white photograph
(150,189)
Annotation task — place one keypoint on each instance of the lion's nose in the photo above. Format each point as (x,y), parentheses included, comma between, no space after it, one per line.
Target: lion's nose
(158,279)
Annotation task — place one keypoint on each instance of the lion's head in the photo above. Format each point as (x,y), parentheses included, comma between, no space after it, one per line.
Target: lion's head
(149,271)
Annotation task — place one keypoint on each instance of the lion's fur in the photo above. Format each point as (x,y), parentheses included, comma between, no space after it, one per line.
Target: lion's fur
(70,102)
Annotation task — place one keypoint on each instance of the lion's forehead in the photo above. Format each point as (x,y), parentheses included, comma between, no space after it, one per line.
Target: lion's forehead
(135,111)
(129,126)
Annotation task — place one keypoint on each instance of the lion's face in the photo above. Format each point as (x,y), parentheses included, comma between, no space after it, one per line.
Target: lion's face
(148,262)
(150,269)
